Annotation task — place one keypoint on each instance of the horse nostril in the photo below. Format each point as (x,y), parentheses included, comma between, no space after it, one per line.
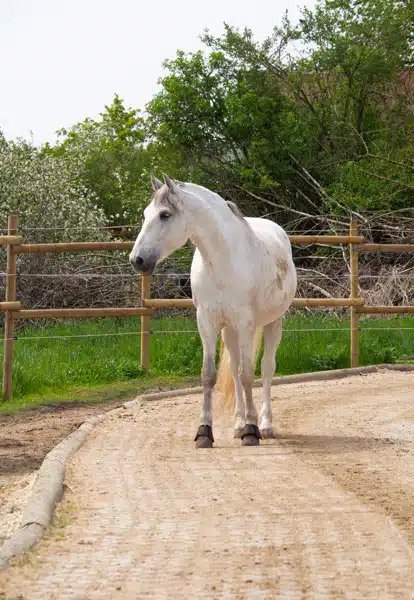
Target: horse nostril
(143,264)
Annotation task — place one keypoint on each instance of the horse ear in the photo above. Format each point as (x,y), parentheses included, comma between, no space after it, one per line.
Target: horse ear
(169,183)
(156,183)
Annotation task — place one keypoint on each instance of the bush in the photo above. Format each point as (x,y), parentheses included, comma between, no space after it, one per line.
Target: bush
(54,206)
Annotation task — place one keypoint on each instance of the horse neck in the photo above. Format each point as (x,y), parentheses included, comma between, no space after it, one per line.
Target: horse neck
(216,232)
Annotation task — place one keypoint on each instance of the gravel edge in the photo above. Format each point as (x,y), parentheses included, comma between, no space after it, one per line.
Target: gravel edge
(47,490)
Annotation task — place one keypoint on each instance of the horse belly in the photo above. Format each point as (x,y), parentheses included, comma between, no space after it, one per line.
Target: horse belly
(274,310)
(274,297)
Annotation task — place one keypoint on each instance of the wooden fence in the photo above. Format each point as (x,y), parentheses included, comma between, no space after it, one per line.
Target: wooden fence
(13,309)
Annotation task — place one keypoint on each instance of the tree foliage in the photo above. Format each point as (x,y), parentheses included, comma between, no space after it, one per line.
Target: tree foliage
(53,205)
(296,129)
(316,119)
(112,159)
(46,192)
(306,126)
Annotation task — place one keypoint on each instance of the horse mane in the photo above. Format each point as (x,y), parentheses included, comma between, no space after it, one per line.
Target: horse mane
(235,209)
(232,205)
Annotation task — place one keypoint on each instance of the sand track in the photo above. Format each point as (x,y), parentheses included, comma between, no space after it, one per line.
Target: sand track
(324,511)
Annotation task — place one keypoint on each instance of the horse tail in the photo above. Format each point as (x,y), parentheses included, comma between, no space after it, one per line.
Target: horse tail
(225,382)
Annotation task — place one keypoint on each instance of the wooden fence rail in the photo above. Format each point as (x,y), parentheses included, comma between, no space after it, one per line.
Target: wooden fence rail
(297,302)
(80,313)
(13,309)
(385,310)
(72,247)
(400,248)
(297,240)
(10,240)
(5,306)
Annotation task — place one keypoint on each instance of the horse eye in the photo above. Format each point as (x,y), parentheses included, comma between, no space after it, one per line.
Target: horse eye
(164,215)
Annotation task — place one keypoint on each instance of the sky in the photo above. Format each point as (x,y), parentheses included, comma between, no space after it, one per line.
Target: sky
(64,61)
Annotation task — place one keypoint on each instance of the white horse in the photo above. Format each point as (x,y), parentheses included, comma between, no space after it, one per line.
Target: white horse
(243,280)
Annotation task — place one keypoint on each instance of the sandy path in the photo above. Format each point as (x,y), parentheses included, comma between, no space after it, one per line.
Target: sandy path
(324,511)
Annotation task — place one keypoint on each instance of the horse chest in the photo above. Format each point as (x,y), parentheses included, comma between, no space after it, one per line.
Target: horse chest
(223,290)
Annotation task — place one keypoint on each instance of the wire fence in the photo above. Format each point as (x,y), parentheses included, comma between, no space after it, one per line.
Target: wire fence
(337,226)
(194,331)
(173,281)
(183,275)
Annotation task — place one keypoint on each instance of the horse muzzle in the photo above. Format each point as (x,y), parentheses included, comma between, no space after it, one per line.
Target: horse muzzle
(143,264)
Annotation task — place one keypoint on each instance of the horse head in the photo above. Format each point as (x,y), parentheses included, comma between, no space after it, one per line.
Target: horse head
(165,226)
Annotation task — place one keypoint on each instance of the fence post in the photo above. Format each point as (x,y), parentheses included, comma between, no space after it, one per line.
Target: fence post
(145,324)
(353,230)
(13,224)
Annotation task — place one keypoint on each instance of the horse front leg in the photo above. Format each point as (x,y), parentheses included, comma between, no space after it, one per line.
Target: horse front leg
(208,332)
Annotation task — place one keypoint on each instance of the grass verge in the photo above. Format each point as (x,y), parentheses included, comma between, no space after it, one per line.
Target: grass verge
(97,360)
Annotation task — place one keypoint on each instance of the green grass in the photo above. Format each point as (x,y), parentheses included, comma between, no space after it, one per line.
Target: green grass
(99,368)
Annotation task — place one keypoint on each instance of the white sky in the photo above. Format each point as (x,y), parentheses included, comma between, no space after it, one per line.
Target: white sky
(63,61)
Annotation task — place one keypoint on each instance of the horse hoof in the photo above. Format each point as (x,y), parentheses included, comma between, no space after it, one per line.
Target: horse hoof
(204,437)
(250,435)
(267,433)
(203,442)
(238,433)
(250,440)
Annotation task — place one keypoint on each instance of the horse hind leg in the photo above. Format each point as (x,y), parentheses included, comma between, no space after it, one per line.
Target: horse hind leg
(231,342)
(272,336)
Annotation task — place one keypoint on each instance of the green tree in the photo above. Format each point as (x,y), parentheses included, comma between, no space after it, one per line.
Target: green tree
(46,193)
(289,127)
(112,157)
(221,118)
(360,55)
(54,206)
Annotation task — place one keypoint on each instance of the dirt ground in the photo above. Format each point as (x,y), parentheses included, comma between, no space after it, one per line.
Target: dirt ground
(326,510)
(25,439)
